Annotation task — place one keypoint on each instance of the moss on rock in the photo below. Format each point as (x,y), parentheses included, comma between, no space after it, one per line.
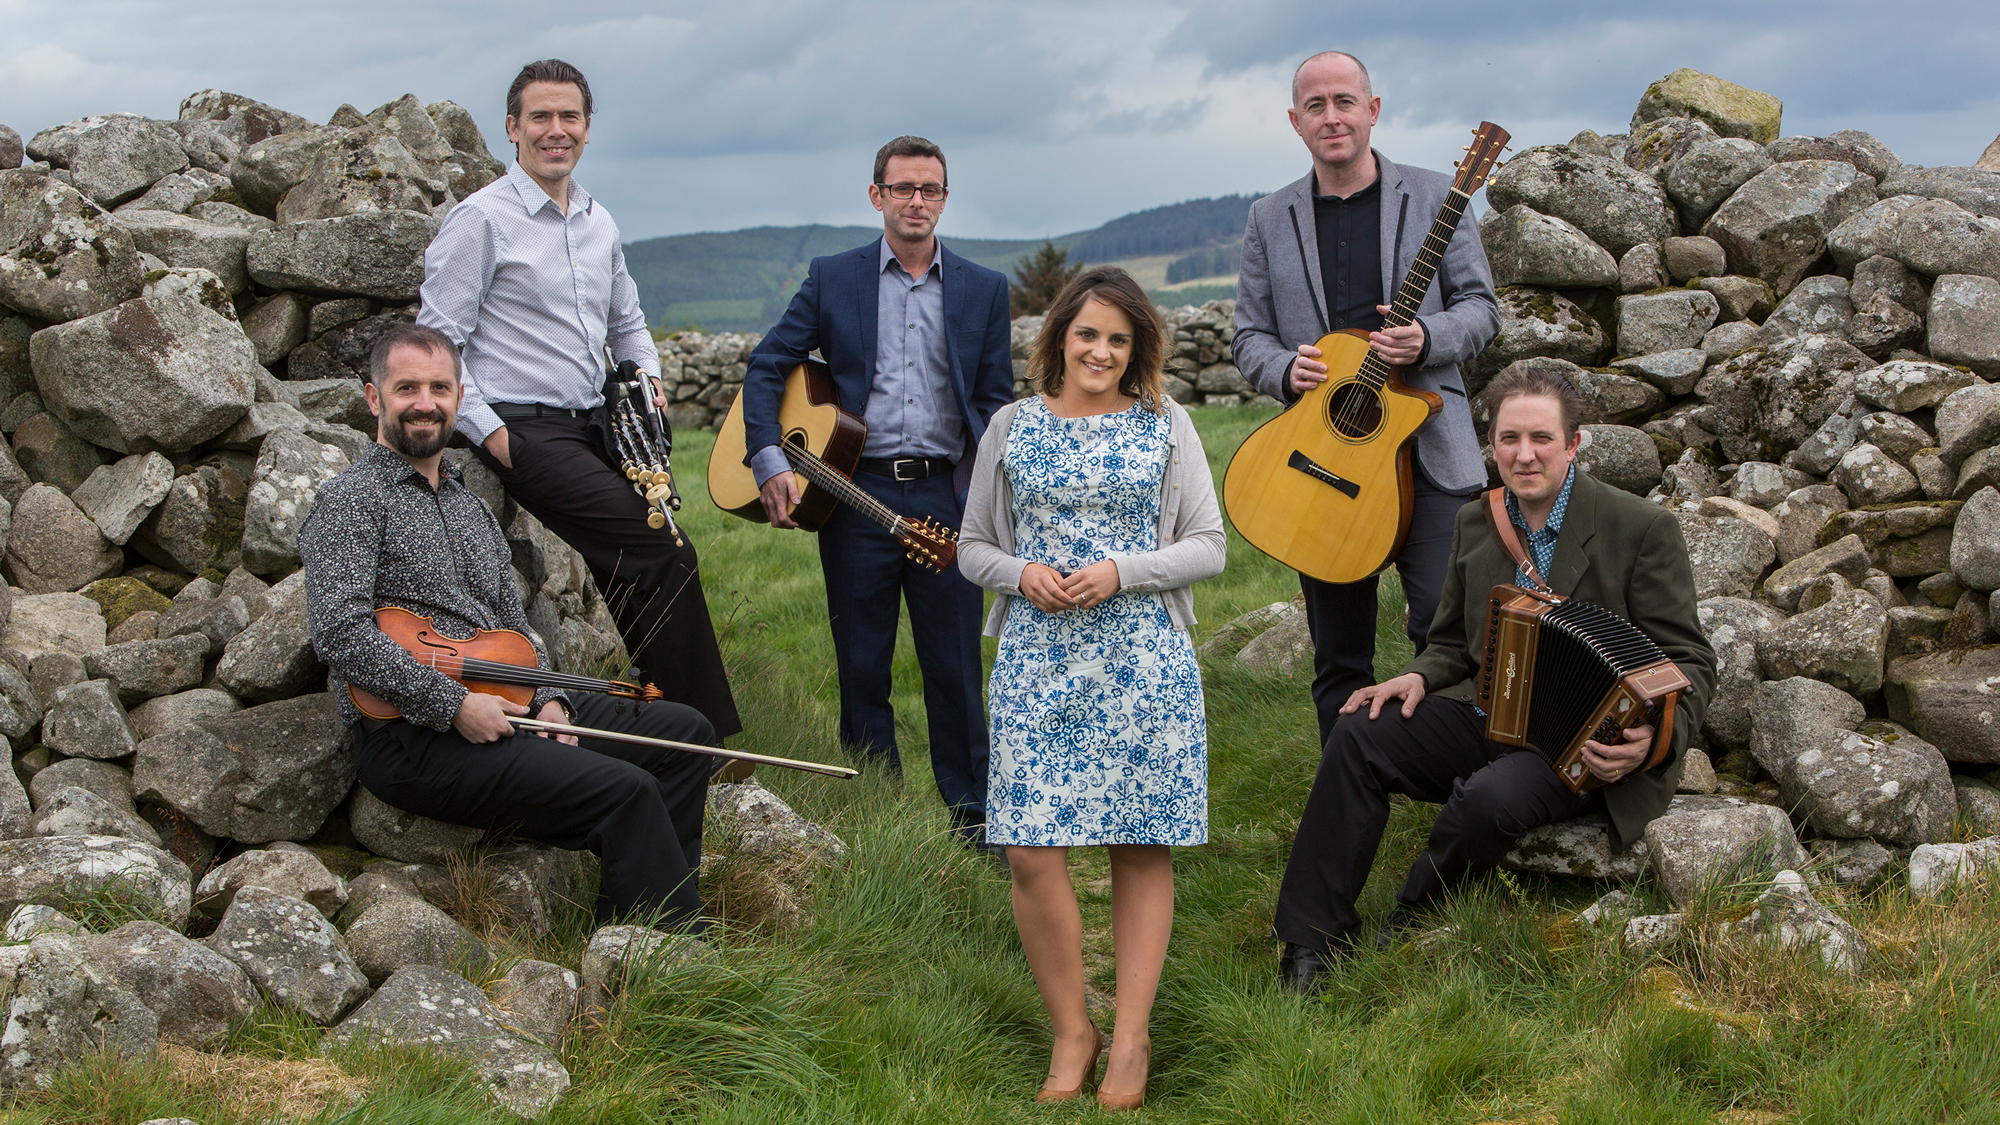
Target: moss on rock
(120,598)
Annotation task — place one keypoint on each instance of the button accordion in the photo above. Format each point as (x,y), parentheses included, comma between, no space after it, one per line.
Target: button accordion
(1559,672)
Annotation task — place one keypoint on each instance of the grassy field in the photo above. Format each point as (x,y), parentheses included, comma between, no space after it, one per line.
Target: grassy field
(907,999)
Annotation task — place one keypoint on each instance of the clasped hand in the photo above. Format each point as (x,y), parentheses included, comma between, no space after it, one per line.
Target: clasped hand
(1052,591)
(483,718)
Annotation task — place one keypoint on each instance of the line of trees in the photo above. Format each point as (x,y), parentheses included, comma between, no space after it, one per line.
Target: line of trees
(1214,261)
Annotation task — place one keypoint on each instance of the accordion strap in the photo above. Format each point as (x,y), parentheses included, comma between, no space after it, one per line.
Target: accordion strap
(1503,529)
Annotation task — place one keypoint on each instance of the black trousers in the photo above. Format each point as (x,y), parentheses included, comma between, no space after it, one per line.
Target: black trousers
(652,587)
(638,808)
(868,579)
(1341,616)
(1491,793)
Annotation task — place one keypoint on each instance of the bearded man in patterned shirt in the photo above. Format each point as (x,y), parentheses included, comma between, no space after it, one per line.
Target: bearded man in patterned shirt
(398,528)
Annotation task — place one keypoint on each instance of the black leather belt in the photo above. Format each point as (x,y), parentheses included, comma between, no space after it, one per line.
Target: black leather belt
(514,410)
(905,468)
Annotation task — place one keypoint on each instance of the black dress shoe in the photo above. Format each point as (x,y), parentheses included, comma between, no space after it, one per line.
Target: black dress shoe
(1302,970)
(1399,923)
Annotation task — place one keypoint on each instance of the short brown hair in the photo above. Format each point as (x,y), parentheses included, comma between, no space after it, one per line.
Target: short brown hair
(409,336)
(907,146)
(1116,288)
(548,70)
(1528,377)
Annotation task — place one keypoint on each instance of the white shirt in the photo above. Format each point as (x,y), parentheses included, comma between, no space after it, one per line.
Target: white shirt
(532,296)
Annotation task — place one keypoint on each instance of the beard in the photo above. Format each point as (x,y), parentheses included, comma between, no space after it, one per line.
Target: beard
(418,448)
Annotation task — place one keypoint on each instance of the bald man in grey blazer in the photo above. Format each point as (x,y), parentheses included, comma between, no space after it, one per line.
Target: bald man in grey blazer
(1325,254)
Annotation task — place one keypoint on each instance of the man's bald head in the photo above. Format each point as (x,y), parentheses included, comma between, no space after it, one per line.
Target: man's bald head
(1367,88)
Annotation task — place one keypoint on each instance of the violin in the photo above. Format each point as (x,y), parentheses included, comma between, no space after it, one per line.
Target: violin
(498,662)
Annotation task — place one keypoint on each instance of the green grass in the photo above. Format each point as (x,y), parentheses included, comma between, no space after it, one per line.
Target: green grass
(907,999)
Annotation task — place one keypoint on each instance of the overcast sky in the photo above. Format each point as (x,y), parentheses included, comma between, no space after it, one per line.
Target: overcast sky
(1055,116)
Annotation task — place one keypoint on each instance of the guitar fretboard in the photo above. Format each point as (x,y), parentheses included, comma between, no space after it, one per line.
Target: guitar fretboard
(837,482)
(1410,295)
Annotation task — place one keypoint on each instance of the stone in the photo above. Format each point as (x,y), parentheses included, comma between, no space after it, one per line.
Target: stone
(112,157)
(259,422)
(1770,399)
(291,952)
(616,954)
(365,170)
(1971,188)
(153,373)
(65,1008)
(1846,556)
(1978,471)
(1689,850)
(1537,323)
(291,467)
(31,921)
(1978,805)
(342,352)
(199,526)
(273,658)
(48,453)
(331,314)
(1687,481)
(1870,233)
(265,171)
(1884,277)
(1731,110)
(529,886)
(763,827)
(1764,485)
(1697,772)
(1870,476)
(185,242)
(87,721)
(1968,420)
(427,1006)
(70,811)
(1650,932)
(390,832)
(1789,917)
(1620,456)
(1674,371)
(1776,225)
(276,325)
(1732,626)
(1842,643)
(1989,161)
(230,215)
(1964,322)
(1861,864)
(1822,451)
(49,672)
(141,670)
(296,873)
(216,620)
(60,257)
(1788,715)
(59,870)
(243,120)
(175,193)
(1904,540)
(1282,650)
(1525,247)
(102,778)
(1692,257)
(1658,322)
(198,285)
(1652,146)
(1915,629)
(167,713)
(458,129)
(1613,398)
(1728,555)
(1933,476)
(1948,699)
(43,623)
(1737,299)
(396,931)
(11,150)
(1642,269)
(1723,506)
(1935,237)
(1936,868)
(1881,327)
(1616,206)
(119,496)
(370,254)
(1894,435)
(1817,304)
(1880,782)
(1710,172)
(53,547)
(1975,542)
(255,592)
(196,993)
(536,999)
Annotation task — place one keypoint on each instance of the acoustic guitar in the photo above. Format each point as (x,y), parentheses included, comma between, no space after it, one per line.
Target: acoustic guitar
(823,442)
(1325,487)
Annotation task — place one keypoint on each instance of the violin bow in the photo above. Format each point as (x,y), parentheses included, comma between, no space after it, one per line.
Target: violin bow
(539,726)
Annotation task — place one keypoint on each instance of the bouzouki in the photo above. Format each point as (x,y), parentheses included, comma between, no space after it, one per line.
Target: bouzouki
(1326,487)
(823,442)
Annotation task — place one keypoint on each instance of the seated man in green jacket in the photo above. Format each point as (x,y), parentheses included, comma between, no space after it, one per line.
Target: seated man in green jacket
(1592,542)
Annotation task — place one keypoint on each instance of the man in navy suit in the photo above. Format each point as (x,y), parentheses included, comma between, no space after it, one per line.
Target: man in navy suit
(917,340)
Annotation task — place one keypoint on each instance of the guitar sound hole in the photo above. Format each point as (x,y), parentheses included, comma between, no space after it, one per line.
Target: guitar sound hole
(1354,411)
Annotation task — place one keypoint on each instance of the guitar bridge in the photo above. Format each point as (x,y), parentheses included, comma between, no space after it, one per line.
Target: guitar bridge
(1319,472)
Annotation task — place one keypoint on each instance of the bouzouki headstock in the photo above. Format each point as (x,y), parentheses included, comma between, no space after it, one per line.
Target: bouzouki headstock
(1482,156)
(929,544)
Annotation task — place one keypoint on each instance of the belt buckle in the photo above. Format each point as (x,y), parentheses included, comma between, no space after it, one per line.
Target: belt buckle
(896,468)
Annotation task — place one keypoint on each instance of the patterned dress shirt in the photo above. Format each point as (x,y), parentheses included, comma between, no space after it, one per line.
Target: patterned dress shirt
(379,535)
(532,296)
(1541,544)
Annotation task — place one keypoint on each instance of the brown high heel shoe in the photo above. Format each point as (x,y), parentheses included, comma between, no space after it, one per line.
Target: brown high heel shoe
(1045,1095)
(1126,1101)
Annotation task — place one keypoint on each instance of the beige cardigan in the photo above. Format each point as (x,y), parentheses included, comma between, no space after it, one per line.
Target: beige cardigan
(1191,541)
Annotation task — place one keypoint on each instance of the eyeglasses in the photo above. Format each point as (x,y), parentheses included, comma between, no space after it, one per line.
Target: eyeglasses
(932,192)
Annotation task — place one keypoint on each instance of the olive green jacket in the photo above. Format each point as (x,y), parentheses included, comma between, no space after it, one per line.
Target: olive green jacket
(1616,551)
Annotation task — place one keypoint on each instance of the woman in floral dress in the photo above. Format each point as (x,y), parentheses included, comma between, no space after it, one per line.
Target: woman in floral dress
(1091,512)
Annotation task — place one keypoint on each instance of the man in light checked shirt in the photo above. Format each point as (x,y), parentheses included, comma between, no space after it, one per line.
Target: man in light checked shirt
(527,276)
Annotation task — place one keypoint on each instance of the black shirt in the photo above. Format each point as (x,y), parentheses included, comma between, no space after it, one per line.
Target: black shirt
(1350,256)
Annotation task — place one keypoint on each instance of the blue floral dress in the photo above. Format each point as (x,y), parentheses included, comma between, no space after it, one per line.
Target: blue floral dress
(1099,733)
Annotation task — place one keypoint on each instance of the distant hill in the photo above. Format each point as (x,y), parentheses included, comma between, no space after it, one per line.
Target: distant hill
(740,281)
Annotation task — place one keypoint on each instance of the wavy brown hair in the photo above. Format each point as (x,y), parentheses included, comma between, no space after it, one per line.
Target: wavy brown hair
(1116,288)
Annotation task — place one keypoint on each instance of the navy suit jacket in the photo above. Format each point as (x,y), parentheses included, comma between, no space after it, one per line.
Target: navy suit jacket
(834,312)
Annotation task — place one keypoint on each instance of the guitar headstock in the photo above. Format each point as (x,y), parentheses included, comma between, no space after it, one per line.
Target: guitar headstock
(1482,156)
(929,544)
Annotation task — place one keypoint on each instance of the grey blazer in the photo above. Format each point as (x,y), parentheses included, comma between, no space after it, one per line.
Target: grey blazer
(1191,541)
(1279,297)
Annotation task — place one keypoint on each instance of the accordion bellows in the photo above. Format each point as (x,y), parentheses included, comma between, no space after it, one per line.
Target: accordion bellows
(1559,672)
